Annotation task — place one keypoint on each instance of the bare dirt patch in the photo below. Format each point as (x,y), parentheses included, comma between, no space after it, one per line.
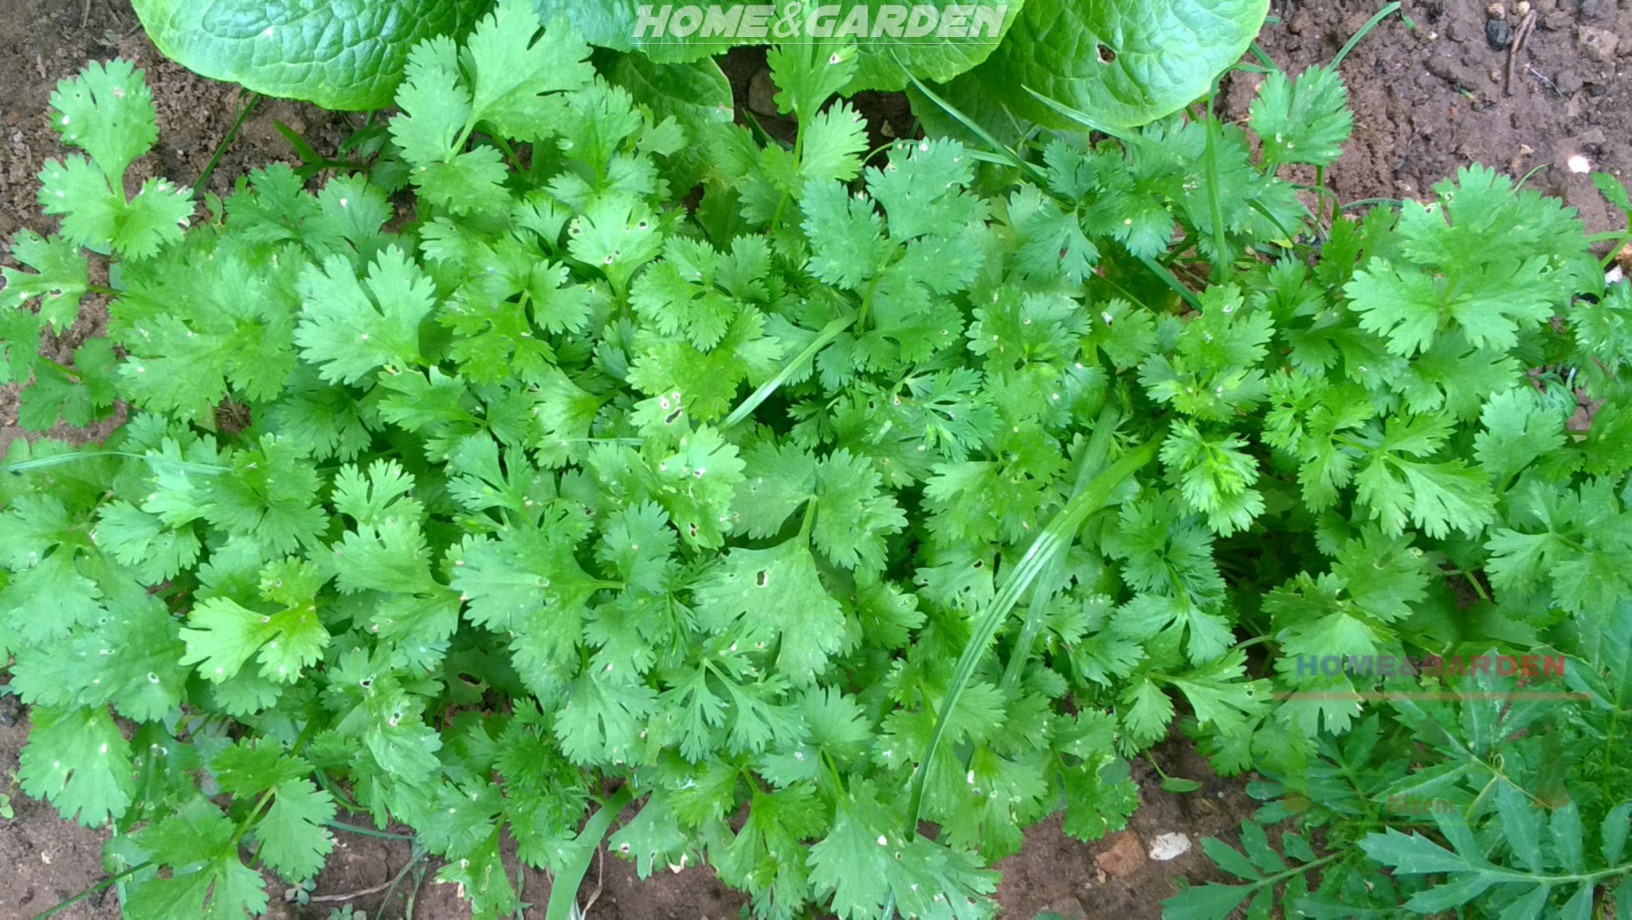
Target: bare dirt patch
(1430,100)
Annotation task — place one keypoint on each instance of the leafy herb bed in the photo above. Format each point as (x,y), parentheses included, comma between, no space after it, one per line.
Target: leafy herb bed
(851,497)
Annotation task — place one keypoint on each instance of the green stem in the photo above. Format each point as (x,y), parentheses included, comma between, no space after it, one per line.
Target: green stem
(366,831)
(1215,206)
(1371,23)
(810,518)
(99,886)
(63,368)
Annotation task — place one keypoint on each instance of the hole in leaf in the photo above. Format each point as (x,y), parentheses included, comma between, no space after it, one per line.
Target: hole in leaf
(1105,54)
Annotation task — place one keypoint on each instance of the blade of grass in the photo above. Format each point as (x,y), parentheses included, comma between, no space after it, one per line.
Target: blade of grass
(564,887)
(1215,207)
(94,889)
(828,334)
(59,459)
(221,148)
(1371,23)
(1055,538)
(1011,157)
(1048,583)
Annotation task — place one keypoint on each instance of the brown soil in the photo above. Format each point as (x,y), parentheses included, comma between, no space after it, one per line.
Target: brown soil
(1429,100)
(1425,103)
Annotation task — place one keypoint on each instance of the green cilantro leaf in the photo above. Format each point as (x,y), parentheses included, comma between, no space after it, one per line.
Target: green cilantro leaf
(775,595)
(1305,120)
(77,759)
(59,279)
(351,329)
(108,112)
(208,879)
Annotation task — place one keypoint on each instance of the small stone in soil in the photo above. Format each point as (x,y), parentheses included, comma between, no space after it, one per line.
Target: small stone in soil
(762,93)
(1168,847)
(1498,33)
(1599,44)
(1125,856)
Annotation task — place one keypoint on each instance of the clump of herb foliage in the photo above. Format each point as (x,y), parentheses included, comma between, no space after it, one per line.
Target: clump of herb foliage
(848,516)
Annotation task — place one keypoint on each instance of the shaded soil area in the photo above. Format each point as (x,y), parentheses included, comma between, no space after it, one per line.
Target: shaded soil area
(1435,97)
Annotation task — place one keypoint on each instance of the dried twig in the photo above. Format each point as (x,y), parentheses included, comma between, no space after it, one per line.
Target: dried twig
(333,898)
(1519,35)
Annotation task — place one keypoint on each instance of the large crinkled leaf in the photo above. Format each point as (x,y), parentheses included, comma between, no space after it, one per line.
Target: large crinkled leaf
(1123,63)
(340,54)
(930,39)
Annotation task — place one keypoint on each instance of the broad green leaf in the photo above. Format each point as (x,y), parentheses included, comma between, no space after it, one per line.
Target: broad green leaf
(339,54)
(932,39)
(1123,64)
(1207,902)
(1614,832)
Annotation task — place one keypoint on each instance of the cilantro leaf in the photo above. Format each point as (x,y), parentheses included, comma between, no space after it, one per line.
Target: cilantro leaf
(208,879)
(95,214)
(108,112)
(350,329)
(775,595)
(1305,120)
(59,279)
(77,759)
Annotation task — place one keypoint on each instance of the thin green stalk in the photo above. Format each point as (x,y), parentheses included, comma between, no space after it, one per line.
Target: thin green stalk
(1215,207)
(1060,533)
(1093,461)
(1166,276)
(38,463)
(1264,58)
(418,864)
(1368,203)
(564,888)
(1011,156)
(828,334)
(366,831)
(1371,23)
(221,148)
(98,887)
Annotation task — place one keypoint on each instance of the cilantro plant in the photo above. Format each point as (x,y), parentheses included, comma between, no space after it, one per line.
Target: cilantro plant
(843,516)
